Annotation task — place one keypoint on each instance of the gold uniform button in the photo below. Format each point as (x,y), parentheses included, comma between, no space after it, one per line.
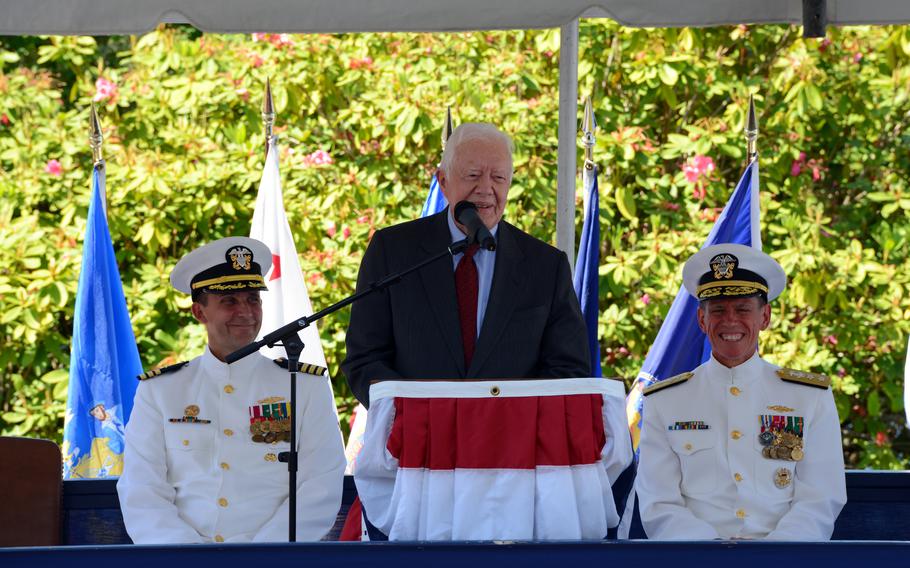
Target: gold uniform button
(735,391)
(688,446)
(219,538)
(736,434)
(228,432)
(186,442)
(741,513)
(738,477)
(225,466)
(271,457)
(223,502)
(229,388)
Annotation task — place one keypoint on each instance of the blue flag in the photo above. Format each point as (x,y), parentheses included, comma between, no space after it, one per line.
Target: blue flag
(680,345)
(435,202)
(104,361)
(587,283)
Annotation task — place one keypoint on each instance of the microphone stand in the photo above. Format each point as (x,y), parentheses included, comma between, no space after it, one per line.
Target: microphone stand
(286,335)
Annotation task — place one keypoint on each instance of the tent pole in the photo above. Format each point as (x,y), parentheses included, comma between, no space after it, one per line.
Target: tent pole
(568,127)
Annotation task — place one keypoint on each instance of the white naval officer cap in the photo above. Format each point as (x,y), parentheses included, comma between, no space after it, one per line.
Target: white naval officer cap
(228,265)
(733,271)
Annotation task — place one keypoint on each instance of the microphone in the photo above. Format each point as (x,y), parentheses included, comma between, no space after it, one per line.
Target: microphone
(466,214)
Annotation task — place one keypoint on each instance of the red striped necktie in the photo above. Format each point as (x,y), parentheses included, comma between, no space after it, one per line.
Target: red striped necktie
(466,290)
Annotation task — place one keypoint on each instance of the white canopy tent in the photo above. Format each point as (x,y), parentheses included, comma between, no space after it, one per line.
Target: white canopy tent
(106,17)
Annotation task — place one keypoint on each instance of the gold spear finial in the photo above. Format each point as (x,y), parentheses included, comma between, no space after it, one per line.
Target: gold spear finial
(588,126)
(751,132)
(95,137)
(268,115)
(447,128)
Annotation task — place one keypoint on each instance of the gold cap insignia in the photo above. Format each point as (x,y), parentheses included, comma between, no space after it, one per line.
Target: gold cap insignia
(723,265)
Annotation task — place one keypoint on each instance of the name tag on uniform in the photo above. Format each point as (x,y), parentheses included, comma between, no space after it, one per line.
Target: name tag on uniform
(689,425)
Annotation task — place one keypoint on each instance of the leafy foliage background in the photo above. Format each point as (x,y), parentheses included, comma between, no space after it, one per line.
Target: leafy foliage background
(184,153)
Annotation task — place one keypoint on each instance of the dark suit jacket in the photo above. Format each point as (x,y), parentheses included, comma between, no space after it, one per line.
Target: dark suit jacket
(532,326)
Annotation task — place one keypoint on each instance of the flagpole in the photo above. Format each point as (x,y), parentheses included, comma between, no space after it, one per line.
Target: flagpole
(751,132)
(447,128)
(95,141)
(268,116)
(293,347)
(588,126)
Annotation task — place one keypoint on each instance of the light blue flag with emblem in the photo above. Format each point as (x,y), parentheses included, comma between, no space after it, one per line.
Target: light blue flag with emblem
(587,280)
(435,201)
(104,361)
(680,345)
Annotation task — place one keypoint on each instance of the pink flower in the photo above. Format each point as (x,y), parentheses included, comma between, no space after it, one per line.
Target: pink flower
(330,228)
(366,62)
(53,168)
(105,90)
(796,169)
(697,167)
(243,93)
(4,119)
(363,219)
(857,57)
(346,232)
(282,40)
(670,206)
(699,192)
(318,158)
(623,351)
(880,439)
(645,299)
(259,36)
(314,278)
(823,45)
(256,61)
(831,339)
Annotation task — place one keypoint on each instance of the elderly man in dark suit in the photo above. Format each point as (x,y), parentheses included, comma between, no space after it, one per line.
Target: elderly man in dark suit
(506,313)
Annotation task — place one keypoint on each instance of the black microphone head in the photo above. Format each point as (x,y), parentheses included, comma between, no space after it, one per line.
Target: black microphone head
(461,207)
(466,214)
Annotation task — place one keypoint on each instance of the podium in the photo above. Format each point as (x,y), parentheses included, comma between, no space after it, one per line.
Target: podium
(494,459)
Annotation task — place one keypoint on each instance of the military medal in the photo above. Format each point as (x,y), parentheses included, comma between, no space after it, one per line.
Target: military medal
(270,421)
(190,416)
(782,477)
(781,437)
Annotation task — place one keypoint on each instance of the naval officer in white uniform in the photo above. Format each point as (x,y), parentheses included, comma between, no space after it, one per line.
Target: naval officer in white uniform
(201,461)
(739,448)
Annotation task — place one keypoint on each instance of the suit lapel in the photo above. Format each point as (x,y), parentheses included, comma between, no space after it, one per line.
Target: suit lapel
(504,293)
(439,283)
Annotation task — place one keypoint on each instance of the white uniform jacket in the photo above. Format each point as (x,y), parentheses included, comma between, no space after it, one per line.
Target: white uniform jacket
(192,472)
(702,474)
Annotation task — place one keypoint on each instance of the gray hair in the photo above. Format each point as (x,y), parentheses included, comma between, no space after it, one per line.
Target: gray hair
(468,132)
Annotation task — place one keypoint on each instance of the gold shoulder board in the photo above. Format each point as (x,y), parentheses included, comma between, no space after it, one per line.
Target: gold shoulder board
(667,383)
(162,371)
(307,368)
(803,378)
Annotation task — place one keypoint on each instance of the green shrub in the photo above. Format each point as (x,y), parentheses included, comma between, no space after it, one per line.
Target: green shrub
(184,153)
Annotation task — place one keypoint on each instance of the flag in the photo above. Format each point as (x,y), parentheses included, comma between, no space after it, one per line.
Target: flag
(680,345)
(587,286)
(104,361)
(286,299)
(435,201)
